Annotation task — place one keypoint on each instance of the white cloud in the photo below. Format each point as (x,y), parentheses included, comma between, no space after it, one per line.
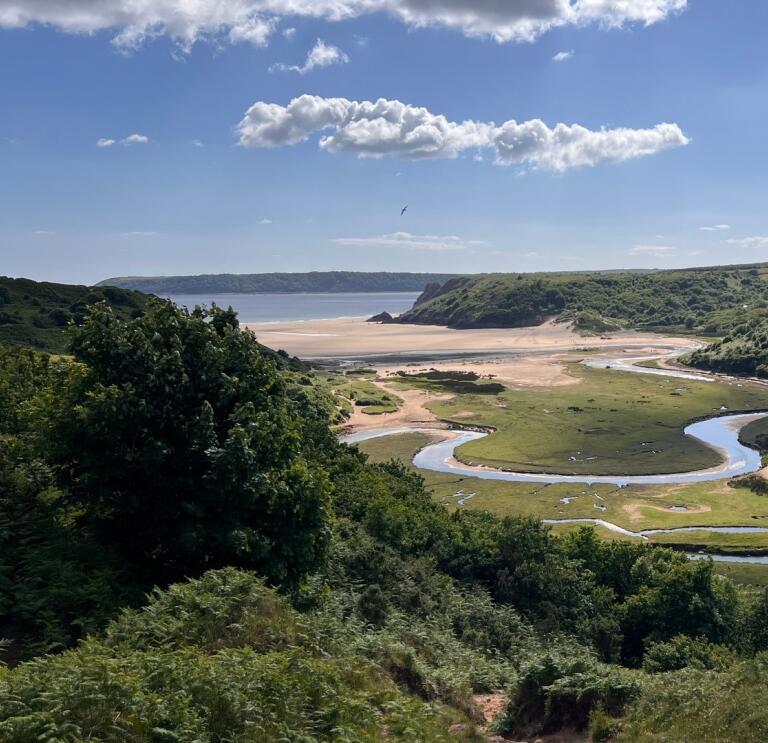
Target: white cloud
(129,140)
(289,33)
(139,233)
(134,139)
(320,55)
(756,241)
(715,228)
(253,21)
(198,143)
(405,240)
(45,233)
(563,56)
(385,127)
(660,251)
(265,221)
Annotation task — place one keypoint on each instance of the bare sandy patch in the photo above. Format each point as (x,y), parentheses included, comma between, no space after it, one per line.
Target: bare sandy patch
(634,510)
(412,411)
(528,371)
(355,338)
(490,705)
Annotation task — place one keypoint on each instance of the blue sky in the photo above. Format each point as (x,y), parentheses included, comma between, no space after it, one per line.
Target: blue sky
(205,193)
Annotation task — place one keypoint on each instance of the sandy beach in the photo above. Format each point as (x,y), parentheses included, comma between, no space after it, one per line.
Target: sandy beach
(355,338)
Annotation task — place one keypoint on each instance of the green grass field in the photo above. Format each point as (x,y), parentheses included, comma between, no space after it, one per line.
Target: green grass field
(613,422)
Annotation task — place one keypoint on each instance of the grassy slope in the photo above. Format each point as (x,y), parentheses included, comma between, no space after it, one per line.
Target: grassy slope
(316,281)
(704,300)
(36,313)
(612,423)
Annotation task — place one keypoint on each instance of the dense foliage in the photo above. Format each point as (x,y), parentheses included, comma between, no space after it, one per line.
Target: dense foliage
(330,599)
(706,300)
(180,416)
(36,313)
(253,283)
(743,351)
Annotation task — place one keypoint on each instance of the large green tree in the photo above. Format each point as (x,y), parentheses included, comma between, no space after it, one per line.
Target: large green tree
(178,446)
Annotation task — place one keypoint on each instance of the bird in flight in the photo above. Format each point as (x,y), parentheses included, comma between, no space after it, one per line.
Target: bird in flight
(404,210)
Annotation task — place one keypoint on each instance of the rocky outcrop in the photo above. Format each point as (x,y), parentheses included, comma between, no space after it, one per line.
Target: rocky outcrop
(382,317)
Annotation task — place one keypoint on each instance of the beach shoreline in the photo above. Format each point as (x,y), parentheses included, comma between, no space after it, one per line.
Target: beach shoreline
(356,339)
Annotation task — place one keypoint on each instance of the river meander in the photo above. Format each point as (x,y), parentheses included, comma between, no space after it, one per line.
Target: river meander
(720,432)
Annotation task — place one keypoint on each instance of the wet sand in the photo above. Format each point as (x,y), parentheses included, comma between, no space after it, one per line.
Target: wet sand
(356,339)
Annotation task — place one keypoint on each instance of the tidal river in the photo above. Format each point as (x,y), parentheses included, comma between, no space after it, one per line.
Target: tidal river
(719,432)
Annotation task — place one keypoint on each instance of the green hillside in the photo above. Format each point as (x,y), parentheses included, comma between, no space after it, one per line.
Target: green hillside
(36,314)
(703,300)
(743,351)
(254,283)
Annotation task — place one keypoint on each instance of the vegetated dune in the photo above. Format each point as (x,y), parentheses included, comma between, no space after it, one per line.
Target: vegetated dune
(743,351)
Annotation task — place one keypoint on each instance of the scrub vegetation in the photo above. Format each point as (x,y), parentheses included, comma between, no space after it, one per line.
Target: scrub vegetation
(743,351)
(188,553)
(708,301)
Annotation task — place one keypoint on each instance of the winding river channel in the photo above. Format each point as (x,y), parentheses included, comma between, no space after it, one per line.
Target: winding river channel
(720,432)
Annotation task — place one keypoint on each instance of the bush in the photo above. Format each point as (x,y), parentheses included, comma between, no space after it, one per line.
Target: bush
(562,688)
(686,652)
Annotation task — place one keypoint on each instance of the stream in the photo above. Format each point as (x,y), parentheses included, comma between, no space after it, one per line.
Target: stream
(720,432)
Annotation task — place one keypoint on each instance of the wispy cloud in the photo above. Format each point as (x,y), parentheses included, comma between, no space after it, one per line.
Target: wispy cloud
(265,221)
(659,251)
(320,55)
(408,241)
(756,241)
(563,56)
(139,233)
(126,141)
(715,228)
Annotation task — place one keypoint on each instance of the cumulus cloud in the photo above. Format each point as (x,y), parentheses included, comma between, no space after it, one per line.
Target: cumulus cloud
(320,55)
(660,251)
(405,240)
(715,228)
(756,241)
(104,142)
(390,127)
(562,56)
(135,139)
(254,21)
